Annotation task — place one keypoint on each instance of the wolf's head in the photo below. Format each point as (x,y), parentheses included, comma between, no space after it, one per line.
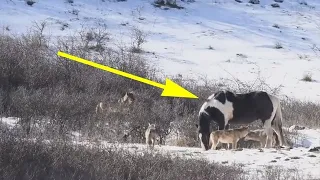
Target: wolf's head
(152,126)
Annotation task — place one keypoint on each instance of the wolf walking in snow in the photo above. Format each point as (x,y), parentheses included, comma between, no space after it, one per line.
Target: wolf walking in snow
(228,136)
(261,136)
(151,135)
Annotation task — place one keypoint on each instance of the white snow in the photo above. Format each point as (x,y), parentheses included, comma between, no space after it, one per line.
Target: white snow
(180,40)
(308,138)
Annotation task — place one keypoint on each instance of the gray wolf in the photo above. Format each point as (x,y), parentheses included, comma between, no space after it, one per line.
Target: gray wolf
(151,135)
(260,135)
(228,136)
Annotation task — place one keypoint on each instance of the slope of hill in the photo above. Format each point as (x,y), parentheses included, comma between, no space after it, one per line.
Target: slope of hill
(223,39)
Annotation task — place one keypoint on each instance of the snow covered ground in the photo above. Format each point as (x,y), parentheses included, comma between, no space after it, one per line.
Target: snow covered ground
(181,38)
(252,160)
(243,40)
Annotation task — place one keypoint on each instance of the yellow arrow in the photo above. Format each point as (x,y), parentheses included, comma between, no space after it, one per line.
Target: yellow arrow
(170,89)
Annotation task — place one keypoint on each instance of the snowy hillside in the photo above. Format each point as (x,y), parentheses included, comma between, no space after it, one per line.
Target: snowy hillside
(218,39)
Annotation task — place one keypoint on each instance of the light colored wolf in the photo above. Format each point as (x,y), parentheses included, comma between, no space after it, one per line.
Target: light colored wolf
(151,135)
(228,136)
(260,136)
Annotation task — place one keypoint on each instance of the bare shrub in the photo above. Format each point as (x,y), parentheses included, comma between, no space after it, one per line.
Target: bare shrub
(44,85)
(278,45)
(74,12)
(302,2)
(276,26)
(95,38)
(58,160)
(138,37)
(210,47)
(279,173)
(254,1)
(30,2)
(307,78)
(167,3)
(300,112)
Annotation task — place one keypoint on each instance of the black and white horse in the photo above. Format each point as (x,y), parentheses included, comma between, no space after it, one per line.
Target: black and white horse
(225,107)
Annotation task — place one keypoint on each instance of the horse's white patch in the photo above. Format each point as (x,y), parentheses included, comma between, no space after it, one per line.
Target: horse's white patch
(211,97)
(226,109)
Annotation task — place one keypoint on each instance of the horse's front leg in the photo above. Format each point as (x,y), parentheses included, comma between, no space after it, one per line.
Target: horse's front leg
(221,126)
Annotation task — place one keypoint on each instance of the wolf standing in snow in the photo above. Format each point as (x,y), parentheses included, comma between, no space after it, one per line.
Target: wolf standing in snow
(260,136)
(228,136)
(151,135)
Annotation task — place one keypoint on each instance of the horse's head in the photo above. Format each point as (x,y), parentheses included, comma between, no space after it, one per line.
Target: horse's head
(203,131)
(216,109)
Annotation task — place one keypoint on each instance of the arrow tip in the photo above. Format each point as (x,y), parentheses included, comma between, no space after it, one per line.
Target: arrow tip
(172,89)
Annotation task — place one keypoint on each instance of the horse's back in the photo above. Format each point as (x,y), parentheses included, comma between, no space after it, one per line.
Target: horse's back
(251,106)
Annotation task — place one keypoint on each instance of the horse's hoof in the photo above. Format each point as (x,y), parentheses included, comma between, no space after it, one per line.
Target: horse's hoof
(286,147)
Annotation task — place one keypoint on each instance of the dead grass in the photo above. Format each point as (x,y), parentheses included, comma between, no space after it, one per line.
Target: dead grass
(36,160)
(307,78)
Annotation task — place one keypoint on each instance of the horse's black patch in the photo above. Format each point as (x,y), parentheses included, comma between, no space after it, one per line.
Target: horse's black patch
(250,107)
(230,96)
(220,96)
(216,115)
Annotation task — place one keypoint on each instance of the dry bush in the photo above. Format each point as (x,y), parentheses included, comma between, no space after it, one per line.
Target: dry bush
(30,2)
(307,78)
(95,38)
(36,160)
(138,38)
(280,173)
(167,3)
(35,82)
(297,112)
(278,45)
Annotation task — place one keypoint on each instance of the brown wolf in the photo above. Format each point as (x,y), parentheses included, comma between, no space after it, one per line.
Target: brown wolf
(228,136)
(151,135)
(260,136)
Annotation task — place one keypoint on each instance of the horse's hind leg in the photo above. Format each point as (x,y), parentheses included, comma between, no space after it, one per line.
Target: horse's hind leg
(269,132)
(277,127)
